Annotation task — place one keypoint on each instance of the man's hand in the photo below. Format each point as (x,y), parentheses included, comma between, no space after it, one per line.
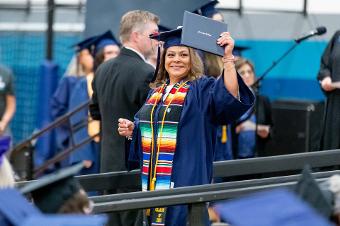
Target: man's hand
(326,84)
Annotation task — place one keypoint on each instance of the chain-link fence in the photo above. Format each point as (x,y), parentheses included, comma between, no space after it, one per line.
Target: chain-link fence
(23,52)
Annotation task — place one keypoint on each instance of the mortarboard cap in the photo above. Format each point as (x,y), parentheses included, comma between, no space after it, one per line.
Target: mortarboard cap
(5,142)
(170,38)
(14,208)
(162,28)
(237,51)
(65,220)
(84,44)
(278,207)
(208,10)
(100,41)
(52,191)
(309,190)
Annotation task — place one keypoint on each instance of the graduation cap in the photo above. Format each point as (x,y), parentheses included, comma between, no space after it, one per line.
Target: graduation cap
(279,207)
(65,220)
(169,38)
(102,40)
(14,208)
(309,190)
(5,142)
(208,9)
(52,191)
(84,44)
(238,49)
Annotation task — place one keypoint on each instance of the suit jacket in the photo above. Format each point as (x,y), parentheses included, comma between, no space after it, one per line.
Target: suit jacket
(120,88)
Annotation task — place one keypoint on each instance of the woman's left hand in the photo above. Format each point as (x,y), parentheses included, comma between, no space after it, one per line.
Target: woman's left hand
(228,42)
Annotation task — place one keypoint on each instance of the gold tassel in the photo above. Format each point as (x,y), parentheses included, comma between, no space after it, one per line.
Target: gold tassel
(224,137)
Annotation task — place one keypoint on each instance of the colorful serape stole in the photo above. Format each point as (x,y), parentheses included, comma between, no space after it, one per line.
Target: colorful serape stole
(158,125)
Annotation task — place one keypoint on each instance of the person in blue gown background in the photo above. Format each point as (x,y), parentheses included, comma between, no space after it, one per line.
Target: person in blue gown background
(60,101)
(105,47)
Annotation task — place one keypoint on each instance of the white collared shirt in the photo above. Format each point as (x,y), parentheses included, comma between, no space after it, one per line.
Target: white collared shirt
(139,54)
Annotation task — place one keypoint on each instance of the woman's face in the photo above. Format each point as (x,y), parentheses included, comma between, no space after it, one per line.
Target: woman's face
(177,62)
(86,60)
(111,51)
(247,74)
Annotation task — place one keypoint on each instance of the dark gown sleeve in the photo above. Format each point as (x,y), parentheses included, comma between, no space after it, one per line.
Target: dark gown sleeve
(219,104)
(325,66)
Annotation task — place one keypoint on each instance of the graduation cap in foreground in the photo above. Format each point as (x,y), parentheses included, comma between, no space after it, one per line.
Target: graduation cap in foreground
(309,190)
(14,208)
(52,191)
(65,220)
(5,142)
(102,40)
(278,207)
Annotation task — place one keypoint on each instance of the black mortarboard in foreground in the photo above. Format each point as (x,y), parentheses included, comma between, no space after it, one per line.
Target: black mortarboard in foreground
(14,208)
(279,207)
(309,190)
(52,191)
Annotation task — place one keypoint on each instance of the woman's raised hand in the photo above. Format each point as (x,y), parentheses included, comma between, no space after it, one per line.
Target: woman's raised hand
(125,127)
(227,41)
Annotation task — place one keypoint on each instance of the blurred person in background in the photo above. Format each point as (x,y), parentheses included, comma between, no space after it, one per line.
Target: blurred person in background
(60,102)
(120,87)
(244,140)
(104,47)
(329,78)
(6,172)
(7,100)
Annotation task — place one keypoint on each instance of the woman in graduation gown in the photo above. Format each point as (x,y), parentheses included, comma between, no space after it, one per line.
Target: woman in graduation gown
(328,74)
(174,133)
(104,47)
(60,102)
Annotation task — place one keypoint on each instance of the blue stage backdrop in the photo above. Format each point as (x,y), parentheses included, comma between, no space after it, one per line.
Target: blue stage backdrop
(294,77)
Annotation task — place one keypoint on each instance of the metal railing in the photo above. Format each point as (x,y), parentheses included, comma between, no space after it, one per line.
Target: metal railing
(228,169)
(28,143)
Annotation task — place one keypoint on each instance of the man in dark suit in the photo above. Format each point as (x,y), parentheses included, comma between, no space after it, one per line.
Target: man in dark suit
(120,88)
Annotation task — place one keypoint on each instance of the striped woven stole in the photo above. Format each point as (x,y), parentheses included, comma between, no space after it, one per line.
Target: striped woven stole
(158,125)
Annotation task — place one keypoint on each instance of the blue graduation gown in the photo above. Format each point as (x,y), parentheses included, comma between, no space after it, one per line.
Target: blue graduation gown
(60,106)
(89,151)
(223,151)
(207,105)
